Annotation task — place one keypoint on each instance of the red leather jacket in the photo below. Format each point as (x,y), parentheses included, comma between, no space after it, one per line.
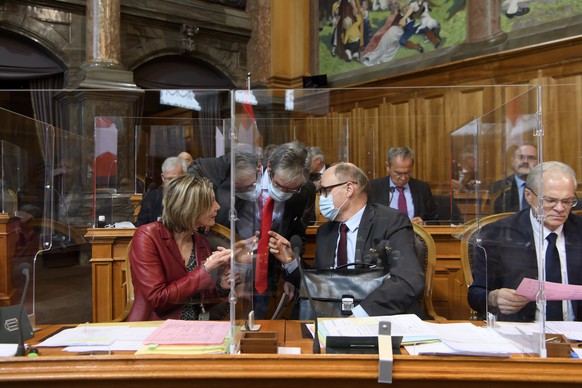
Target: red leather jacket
(161,282)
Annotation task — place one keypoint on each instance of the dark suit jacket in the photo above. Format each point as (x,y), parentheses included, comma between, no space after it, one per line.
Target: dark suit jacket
(151,207)
(160,279)
(399,294)
(508,200)
(508,255)
(295,215)
(424,205)
(217,170)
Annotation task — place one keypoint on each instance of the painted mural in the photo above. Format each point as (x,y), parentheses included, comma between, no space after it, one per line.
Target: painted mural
(356,34)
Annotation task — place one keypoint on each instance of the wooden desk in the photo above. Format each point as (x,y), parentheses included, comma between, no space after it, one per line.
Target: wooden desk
(52,369)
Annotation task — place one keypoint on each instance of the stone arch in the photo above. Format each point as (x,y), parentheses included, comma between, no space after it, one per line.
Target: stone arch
(179,71)
(24,58)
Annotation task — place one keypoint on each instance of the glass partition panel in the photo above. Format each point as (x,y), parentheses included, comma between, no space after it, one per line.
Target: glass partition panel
(62,270)
(502,238)
(27,150)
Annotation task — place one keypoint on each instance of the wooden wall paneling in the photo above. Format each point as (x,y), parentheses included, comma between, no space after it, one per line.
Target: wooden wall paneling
(432,142)
(361,139)
(371,152)
(562,120)
(398,125)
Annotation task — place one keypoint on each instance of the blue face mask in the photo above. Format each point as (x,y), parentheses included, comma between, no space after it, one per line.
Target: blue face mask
(277,194)
(250,195)
(326,207)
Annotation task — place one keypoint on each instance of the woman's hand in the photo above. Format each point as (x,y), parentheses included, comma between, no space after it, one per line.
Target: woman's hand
(280,247)
(218,258)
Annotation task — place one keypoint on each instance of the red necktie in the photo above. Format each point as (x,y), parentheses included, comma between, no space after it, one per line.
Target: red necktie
(402,200)
(342,246)
(262,264)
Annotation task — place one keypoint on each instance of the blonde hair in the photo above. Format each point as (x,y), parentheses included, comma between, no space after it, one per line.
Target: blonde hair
(186,198)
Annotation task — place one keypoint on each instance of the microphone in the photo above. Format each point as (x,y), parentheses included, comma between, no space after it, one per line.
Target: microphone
(296,245)
(23,269)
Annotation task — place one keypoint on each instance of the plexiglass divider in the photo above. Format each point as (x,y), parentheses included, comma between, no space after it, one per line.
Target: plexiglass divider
(118,157)
(27,175)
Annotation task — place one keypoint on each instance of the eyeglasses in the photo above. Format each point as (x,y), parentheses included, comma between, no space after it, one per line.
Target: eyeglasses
(283,188)
(553,202)
(401,174)
(325,190)
(530,158)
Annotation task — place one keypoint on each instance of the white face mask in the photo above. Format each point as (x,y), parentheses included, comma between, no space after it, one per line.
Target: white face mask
(326,207)
(250,195)
(277,194)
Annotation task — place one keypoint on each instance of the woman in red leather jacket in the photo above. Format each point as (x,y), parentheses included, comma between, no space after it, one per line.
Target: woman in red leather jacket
(174,273)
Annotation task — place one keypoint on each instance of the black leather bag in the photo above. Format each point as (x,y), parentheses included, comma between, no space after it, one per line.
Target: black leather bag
(335,292)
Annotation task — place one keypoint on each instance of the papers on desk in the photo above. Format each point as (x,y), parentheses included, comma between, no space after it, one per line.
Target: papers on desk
(169,337)
(409,326)
(8,350)
(420,337)
(99,338)
(554,291)
(465,339)
(188,337)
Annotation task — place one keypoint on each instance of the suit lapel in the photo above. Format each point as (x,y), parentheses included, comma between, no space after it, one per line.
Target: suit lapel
(364,232)
(326,245)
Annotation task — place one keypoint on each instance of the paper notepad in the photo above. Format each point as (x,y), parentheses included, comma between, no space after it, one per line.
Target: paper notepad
(177,332)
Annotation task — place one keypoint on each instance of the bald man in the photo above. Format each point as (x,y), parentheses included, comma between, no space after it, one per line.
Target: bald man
(186,156)
(343,200)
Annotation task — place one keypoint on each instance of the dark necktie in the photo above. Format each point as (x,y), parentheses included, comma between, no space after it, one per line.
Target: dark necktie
(262,264)
(342,246)
(402,200)
(524,203)
(553,274)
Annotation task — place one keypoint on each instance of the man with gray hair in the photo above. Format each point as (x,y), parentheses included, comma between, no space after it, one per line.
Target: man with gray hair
(511,249)
(286,193)
(318,165)
(400,191)
(151,204)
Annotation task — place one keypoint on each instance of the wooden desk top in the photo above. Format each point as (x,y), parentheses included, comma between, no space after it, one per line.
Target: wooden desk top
(53,369)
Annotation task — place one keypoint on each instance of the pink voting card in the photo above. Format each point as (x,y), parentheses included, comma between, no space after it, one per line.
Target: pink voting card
(554,291)
(177,332)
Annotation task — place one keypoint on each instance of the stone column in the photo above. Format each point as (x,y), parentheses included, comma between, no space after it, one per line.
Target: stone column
(103,68)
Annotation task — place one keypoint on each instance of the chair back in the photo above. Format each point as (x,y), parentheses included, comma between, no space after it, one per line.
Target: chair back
(127,284)
(468,239)
(426,253)
(218,236)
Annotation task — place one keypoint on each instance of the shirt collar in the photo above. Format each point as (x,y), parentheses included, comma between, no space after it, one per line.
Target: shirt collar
(354,221)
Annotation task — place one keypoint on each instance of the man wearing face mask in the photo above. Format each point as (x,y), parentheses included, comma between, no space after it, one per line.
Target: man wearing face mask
(286,193)
(343,201)
(247,189)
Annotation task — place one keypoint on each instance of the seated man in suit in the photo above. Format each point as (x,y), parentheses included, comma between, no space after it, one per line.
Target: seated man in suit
(511,190)
(400,191)
(510,249)
(151,204)
(344,202)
